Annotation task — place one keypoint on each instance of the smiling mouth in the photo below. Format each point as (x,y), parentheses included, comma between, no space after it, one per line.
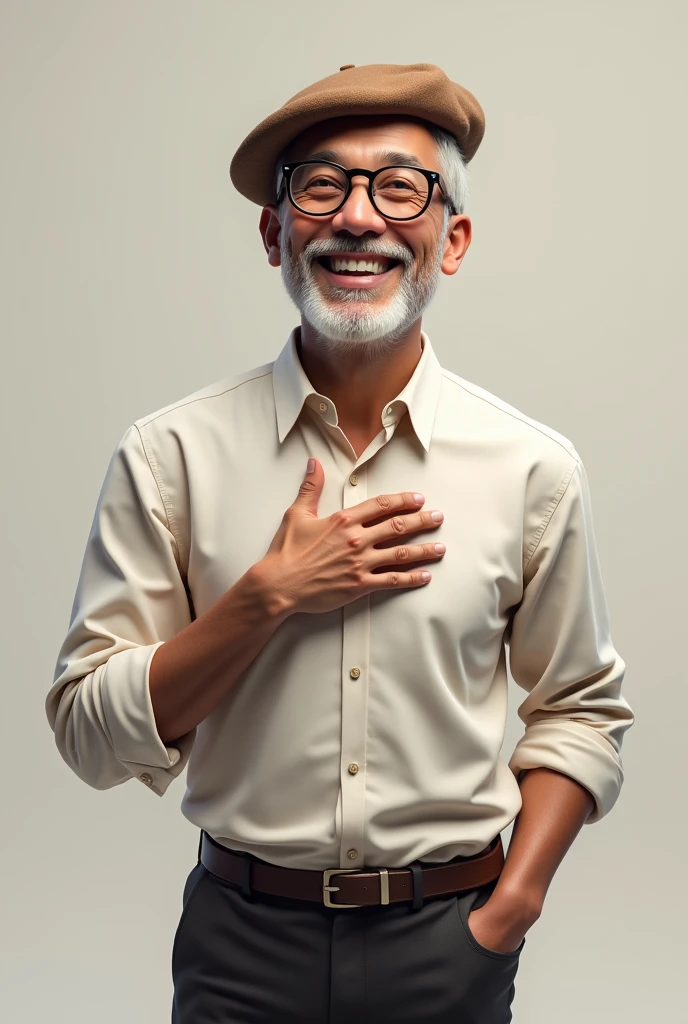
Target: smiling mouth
(357,266)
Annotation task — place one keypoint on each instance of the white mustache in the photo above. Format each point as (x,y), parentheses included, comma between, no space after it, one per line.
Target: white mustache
(324,248)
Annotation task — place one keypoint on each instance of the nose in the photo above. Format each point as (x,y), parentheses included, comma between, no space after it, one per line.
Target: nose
(358,215)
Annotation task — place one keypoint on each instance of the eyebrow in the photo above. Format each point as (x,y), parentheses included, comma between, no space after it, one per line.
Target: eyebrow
(385,156)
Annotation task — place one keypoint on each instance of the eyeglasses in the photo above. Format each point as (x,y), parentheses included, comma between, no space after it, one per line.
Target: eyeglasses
(320,188)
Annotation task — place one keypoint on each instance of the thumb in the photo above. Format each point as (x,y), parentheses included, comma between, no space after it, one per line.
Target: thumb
(311,487)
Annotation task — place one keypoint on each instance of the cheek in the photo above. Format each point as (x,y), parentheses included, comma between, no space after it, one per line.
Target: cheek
(424,261)
(423,247)
(295,248)
(299,234)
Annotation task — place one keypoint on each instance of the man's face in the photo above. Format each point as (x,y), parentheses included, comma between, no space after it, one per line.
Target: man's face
(349,312)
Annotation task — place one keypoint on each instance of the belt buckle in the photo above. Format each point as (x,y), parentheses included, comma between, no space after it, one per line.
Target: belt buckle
(327,888)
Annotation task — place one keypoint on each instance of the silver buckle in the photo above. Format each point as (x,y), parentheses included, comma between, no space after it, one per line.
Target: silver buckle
(327,889)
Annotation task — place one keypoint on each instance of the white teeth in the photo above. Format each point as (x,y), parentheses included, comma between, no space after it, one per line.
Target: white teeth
(371,266)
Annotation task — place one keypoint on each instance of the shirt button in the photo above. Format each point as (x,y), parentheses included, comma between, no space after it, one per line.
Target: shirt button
(354,673)
(323,406)
(353,479)
(352,854)
(148,779)
(353,768)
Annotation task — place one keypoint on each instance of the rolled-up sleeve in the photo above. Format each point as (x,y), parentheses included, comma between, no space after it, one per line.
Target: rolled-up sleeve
(561,653)
(131,597)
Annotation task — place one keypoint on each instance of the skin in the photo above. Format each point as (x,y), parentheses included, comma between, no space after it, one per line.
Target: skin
(554,806)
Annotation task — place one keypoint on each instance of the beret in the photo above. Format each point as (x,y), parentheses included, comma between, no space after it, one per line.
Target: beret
(416,90)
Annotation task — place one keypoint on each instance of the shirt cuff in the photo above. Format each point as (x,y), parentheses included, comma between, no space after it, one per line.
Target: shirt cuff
(129,717)
(575,750)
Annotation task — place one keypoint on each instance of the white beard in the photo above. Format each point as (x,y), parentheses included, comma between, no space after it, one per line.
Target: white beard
(342,321)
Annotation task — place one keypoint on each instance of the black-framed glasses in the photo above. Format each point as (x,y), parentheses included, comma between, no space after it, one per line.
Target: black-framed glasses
(399,192)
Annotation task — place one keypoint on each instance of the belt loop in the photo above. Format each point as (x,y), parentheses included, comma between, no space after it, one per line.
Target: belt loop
(245,883)
(416,870)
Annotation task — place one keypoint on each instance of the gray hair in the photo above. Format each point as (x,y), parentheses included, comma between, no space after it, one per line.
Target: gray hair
(451,166)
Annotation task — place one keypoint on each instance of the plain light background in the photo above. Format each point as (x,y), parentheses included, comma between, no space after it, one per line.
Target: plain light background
(133,274)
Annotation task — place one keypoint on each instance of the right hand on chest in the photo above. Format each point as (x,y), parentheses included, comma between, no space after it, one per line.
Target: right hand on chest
(317,565)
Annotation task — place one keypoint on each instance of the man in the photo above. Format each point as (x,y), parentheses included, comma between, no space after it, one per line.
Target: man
(341,714)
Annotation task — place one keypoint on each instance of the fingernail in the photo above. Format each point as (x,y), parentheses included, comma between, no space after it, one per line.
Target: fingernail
(311,466)
(437,517)
(418,498)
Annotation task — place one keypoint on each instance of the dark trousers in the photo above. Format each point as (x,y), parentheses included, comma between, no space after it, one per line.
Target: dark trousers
(261,959)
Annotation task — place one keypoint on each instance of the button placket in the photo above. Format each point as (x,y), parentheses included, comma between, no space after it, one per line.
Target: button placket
(354,702)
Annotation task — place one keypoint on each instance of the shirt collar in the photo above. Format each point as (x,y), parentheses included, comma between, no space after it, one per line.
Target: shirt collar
(419,397)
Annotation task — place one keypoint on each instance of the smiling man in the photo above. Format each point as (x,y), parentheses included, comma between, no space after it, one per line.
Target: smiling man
(367,267)
(256,600)
(364,242)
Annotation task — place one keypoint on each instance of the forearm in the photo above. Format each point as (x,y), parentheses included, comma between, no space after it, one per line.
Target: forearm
(555,807)
(193,671)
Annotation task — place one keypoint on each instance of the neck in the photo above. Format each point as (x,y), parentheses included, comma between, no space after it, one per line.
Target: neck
(360,387)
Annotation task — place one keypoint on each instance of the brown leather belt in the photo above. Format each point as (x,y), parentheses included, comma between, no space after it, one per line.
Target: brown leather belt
(355,888)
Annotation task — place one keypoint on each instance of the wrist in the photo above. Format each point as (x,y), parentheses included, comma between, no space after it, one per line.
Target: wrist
(275,602)
(515,907)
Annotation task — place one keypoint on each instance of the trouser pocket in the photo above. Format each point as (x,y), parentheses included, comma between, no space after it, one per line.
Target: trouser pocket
(472,900)
(489,975)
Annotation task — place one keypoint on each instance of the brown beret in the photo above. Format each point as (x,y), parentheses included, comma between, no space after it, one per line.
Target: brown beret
(418,90)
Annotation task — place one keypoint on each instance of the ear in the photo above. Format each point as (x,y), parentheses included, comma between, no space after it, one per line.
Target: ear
(270,229)
(456,243)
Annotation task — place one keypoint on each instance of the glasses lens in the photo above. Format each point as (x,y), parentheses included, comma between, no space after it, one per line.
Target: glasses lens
(317,188)
(400,191)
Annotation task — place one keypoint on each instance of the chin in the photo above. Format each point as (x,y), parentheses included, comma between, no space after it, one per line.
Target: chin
(353,334)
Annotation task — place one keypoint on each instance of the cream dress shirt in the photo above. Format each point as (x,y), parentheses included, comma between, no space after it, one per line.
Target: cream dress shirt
(369,735)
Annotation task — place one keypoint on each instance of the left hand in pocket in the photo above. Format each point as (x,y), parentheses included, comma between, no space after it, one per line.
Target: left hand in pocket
(496,930)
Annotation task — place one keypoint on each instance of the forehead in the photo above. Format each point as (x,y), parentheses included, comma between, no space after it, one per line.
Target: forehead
(363,141)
